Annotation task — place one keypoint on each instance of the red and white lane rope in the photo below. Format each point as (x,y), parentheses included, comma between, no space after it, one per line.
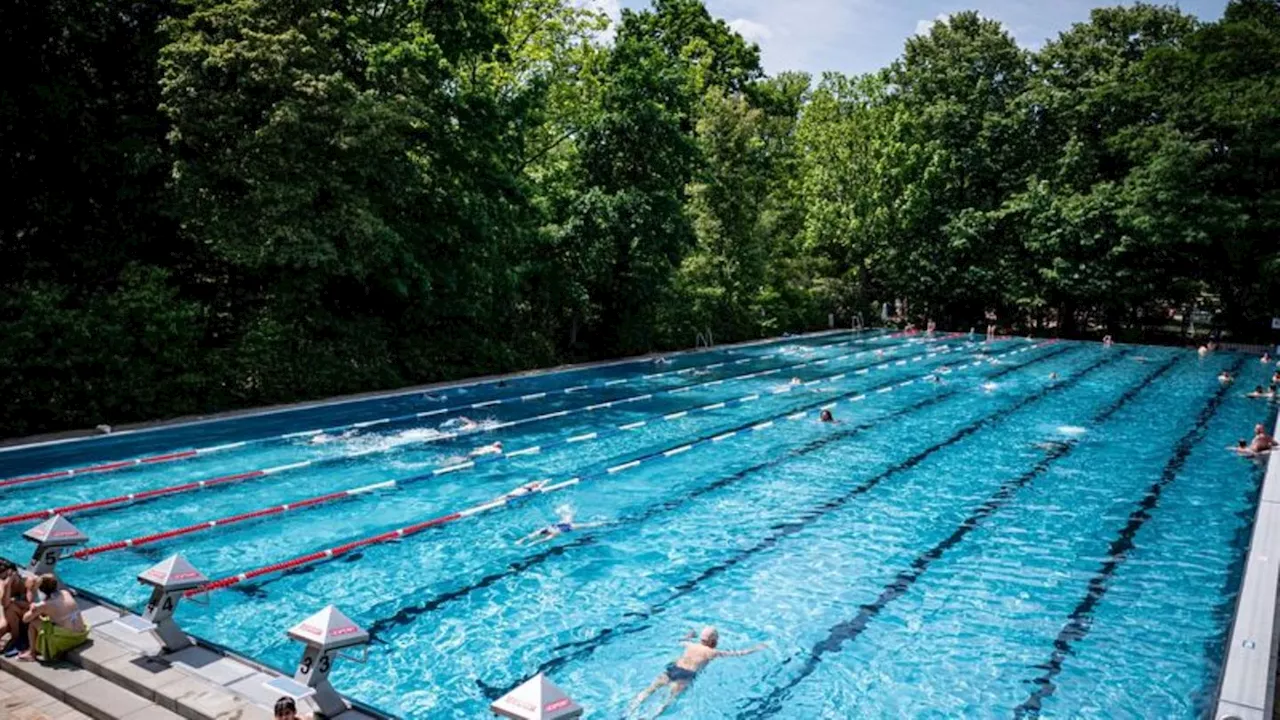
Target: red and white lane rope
(409,530)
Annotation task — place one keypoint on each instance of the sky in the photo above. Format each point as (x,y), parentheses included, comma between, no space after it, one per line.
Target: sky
(858,36)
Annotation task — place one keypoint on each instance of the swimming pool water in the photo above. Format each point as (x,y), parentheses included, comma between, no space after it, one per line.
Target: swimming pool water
(1001,543)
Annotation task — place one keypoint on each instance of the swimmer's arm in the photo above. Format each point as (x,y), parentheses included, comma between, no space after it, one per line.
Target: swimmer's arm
(741,653)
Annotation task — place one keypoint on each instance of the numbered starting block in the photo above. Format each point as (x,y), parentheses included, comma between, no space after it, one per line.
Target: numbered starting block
(51,537)
(324,636)
(168,580)
(537,699)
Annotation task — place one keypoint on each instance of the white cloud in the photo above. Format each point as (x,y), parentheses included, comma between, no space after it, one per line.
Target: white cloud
(923,27)
(751,30)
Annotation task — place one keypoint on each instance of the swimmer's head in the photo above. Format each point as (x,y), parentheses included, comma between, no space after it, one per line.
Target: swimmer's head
(1259,430)
(1242,444)
(795,381)
(825,416)
(709,636)
(1257,389)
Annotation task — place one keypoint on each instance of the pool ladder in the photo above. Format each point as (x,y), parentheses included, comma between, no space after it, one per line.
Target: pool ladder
(704,340)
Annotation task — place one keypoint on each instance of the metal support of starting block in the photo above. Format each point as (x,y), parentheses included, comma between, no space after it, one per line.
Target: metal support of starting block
(50,537)
(324,636)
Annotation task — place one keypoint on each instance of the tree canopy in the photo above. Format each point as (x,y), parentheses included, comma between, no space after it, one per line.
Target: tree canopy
(223,203)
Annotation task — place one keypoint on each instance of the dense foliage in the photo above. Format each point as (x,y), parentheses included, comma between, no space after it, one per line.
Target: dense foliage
(221,203)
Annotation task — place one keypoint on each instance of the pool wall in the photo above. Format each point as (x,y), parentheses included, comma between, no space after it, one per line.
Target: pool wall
(1247,688)
(18,455)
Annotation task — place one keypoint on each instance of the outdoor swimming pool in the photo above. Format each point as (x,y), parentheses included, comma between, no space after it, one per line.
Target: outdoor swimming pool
(1001,543)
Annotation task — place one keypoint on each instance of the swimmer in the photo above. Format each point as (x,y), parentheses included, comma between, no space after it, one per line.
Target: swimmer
(1275,377)
(1051,444)
(1053,376)
(930,327)
(682,672)
(943,370)
(879,353)
(1224,377)
(524,491)
(794,381)
(989,386)
(1106,341)
(826,417)
(323,438)
(1203,351)
(935,379)
(661,361)
(556,529)
(493,448)
(462,423)
(1262,442)
(1259,393)
(433,398)
(1266,358)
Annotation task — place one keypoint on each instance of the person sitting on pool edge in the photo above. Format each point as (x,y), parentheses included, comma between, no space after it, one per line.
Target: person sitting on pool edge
(556,529)
(54,625)
(14,602)
(680,673)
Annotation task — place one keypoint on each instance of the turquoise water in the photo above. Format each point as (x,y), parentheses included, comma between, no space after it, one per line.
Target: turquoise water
(1002,543)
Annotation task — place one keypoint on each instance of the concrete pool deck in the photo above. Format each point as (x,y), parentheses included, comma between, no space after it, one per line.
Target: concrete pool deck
(1247,689)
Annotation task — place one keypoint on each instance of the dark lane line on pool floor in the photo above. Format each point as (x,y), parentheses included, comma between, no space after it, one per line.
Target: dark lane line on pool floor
(1081,619)
(584,648)
(849,630)
(405,616)
(702,440)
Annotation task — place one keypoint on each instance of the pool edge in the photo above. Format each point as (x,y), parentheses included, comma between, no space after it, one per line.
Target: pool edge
(1246,689)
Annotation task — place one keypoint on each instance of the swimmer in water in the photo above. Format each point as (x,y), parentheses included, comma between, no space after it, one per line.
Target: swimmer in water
(1106,341)
(661,361)
(682,672)
(1259,393)
(323,438)
(1203,350)
(935,379)
(1224,377)
(460,424)
(943,370)
(826,417)
(1275,377)
(524,491)
(433,398)
(493,448)
(1053,376)
(989,386)
(1262,442)
(564,525)
(794,381)
(1266,358)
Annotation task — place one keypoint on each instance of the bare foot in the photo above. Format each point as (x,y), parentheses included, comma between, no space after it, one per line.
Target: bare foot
(27,656)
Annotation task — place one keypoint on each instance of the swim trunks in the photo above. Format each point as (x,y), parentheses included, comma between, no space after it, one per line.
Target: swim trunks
(675,673)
